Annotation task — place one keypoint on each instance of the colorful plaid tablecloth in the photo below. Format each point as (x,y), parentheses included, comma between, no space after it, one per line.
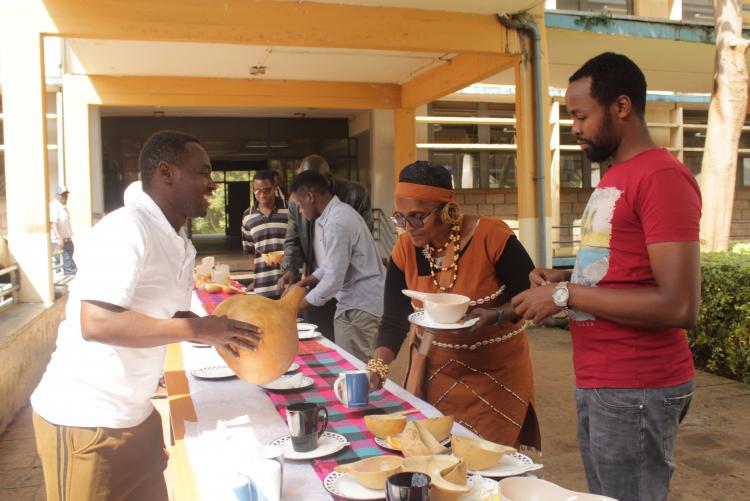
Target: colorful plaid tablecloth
(324,368)
(211,300)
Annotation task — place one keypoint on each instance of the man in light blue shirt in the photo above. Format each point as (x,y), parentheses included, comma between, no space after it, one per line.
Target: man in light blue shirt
(350,269)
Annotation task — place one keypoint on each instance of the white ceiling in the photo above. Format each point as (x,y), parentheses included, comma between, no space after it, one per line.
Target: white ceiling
(470,6)
(134,58)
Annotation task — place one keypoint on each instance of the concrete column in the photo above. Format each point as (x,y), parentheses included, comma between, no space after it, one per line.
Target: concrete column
(382,159)
(525,173)
(554,172)
(422,133)
(97,169)
(25,131)
(404,138)
(78,171)
(528,218)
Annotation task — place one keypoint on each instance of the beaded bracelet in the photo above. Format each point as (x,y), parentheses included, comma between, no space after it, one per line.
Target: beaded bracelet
(379,367)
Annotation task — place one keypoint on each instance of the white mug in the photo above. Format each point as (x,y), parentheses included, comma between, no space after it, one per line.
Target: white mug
(265,479)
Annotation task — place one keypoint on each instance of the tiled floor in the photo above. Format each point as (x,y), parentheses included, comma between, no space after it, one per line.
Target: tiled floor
(20,471)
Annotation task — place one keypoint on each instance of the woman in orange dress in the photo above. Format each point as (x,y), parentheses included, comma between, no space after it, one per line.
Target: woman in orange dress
(480,375)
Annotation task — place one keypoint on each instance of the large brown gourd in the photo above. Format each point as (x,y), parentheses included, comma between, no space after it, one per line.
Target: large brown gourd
(278,321)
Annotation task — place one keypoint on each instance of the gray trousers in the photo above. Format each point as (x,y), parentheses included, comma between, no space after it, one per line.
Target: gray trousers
(627,438)
(355,331)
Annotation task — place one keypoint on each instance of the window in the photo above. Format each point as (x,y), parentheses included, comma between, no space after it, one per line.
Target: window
(576,171)
(620,7)
(695,123)
(701,11)
(488,161)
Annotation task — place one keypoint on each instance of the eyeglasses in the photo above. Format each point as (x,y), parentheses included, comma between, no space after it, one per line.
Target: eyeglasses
(263,191)
(415,221)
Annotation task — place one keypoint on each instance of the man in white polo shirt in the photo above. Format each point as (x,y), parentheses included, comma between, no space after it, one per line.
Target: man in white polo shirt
(62,231)
(97,433)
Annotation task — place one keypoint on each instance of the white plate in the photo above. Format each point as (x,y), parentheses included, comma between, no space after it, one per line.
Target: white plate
(329,443)
(508,466)
(308,334)
(418,318)
(292,368)
(303,326)
(476,489)
(385,445)
(219,372)
(284,383)
(346,486)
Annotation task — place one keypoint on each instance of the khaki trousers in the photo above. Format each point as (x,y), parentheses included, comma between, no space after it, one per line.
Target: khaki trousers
(102,464)
(355,331)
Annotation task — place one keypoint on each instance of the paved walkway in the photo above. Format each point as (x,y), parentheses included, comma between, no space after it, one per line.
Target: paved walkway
(713,448)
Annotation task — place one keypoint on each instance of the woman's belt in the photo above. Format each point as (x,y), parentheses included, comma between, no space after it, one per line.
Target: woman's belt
(479,344)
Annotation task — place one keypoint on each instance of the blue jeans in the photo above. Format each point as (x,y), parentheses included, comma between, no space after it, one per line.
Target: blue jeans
(627,438)
(69,266)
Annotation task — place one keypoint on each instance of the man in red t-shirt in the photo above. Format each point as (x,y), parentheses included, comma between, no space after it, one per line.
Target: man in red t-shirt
(634,289)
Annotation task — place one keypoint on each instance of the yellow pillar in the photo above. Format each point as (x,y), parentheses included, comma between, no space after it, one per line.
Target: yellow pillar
(527,223)
(554,172)
(77,96)
(404,139)
(25,132)
(661,9)
(526,176)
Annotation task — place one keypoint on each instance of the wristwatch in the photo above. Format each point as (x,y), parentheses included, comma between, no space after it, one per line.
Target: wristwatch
(561,295)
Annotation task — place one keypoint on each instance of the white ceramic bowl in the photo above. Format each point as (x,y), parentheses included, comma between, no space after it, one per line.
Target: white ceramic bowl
(535,489)
(444,308)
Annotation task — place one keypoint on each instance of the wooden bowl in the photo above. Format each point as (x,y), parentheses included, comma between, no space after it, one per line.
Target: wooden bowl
(447,474)
(440,427)
(384,426)
(417,441)
(373,472)
(478,454)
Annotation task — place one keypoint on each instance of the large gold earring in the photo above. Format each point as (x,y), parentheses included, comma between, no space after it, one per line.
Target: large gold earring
(450,213)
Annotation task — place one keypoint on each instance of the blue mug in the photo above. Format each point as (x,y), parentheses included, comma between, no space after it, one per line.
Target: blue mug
(352,388)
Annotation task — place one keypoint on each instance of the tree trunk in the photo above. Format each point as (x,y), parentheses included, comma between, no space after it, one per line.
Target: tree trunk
(726,116)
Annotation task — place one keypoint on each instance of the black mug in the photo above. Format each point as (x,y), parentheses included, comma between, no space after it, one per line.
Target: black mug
(407,486)
(303,425)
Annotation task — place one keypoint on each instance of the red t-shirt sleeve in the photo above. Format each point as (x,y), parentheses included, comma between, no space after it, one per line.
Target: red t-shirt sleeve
(669,205)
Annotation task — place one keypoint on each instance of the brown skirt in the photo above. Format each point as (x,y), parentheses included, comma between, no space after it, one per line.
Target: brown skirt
(488,389)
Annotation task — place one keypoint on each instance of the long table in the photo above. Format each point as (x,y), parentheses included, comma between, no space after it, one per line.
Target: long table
(214,420)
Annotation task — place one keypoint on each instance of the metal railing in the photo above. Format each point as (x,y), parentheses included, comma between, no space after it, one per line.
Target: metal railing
(8,286)
(384,232)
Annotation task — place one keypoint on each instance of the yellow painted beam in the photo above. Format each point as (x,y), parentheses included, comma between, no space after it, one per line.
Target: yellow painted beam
(461,71)
(283,23)
(234,92)
(404,139)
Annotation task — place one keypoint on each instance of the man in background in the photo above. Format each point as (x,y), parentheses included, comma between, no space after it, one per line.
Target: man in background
(263,231)
(350,267)
(62,231)
(299,249)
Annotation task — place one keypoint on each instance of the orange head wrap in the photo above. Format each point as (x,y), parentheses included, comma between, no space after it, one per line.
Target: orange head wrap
(424,192)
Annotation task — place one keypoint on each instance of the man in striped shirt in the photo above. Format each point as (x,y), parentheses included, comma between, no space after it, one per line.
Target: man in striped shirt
(263,231)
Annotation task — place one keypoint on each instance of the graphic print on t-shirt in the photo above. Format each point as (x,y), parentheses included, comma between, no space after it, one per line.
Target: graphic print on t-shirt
(592,259)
